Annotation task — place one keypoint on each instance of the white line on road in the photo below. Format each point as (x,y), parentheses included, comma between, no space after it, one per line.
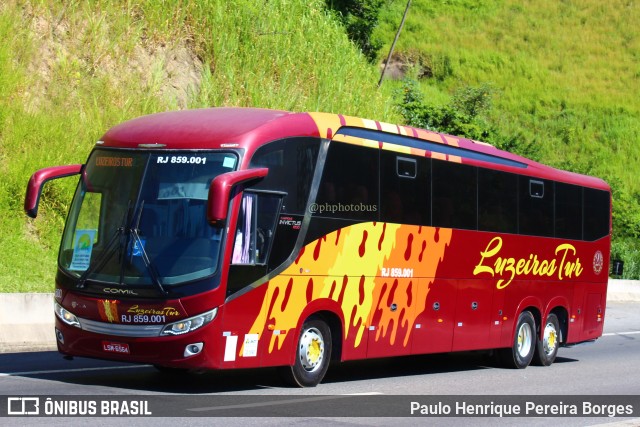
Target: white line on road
(58,371)
(279,402)
(613,334)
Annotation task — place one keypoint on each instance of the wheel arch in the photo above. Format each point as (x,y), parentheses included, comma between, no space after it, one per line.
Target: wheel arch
(331,313)
(534,306)
(562,314)
(335,326)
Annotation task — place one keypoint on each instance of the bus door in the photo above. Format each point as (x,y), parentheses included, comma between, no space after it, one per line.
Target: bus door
(497,318)
(473,323)
(245,332)
(389,331)
(433,329)
(593,315)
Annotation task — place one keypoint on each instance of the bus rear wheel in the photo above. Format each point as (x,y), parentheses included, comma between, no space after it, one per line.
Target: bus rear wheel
(547,346)
(521,352)
(313,354)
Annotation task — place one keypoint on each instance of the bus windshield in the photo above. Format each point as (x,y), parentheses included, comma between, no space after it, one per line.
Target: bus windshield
(140,218)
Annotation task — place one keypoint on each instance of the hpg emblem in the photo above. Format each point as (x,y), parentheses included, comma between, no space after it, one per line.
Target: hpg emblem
(598,262)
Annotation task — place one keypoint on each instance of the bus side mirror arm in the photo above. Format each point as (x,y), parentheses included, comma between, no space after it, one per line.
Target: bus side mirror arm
(221,188)
(37,181)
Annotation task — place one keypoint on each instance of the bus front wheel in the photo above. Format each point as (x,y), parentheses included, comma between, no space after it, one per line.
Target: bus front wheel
(524,342)
(313,354)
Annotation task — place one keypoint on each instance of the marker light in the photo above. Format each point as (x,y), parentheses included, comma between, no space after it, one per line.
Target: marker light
(190,324)
(66,316)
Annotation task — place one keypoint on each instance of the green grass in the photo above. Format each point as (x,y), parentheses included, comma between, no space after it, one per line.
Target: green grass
(68,73)
(565,77)
(565,74)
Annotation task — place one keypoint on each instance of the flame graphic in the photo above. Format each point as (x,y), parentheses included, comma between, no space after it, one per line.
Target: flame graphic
(345,266)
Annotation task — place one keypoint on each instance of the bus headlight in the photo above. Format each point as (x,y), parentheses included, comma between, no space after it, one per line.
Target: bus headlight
(190,324)
(66,316)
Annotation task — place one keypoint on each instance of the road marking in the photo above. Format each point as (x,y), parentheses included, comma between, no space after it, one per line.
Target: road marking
(278,402)
(59,371)
(613,334)
(364,393)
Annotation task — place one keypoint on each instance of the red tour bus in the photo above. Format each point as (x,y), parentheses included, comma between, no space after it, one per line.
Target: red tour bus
(240,238)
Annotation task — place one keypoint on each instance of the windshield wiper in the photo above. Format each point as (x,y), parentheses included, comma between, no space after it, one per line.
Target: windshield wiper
(145,258)
(107,253)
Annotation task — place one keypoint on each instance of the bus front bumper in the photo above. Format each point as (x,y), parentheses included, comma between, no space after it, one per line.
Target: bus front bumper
(192,350)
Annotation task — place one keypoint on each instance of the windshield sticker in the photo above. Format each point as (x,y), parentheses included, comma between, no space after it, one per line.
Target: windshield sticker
(115,162)
(186,190)
(229,162)
(82,248)
(138,246)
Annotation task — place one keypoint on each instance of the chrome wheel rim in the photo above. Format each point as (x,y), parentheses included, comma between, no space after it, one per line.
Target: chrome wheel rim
(311,349)
(525,340)
(550,339)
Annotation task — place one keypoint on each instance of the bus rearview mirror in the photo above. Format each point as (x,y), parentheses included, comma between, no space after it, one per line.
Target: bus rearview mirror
(37,181)
(221,188)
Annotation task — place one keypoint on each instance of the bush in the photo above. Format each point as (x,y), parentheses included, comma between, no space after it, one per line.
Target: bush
(360,18)
(627,250)
(462,117)
(465,115)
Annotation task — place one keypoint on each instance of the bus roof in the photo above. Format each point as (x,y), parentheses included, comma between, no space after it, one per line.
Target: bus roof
(249,128)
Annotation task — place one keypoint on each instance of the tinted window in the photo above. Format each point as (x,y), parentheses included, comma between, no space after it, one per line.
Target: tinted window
(349,185)
(535,207)
(291,164)
(497,201)
(405,194)
(596,208)
(568,211)
(454,195)
(255,228)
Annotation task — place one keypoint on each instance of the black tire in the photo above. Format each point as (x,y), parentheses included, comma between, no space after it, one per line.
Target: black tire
(524,342)
(547,346)
(313,355)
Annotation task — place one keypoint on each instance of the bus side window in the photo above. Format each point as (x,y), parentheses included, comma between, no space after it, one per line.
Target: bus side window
(497,201)
(568,218)
(349,185)
(291,164)
(596,217)
(536,205)
(454,195)
(255,228)
(405,189)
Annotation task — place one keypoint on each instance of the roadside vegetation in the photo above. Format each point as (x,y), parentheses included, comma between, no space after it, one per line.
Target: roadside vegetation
(70,70)
(539,78)
(543,79)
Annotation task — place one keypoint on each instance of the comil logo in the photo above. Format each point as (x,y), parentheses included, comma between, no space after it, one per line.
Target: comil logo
(23,406)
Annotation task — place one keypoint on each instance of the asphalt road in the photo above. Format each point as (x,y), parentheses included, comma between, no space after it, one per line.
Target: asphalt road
(610,366)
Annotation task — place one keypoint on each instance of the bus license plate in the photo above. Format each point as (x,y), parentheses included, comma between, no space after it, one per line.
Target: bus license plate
(115,347)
